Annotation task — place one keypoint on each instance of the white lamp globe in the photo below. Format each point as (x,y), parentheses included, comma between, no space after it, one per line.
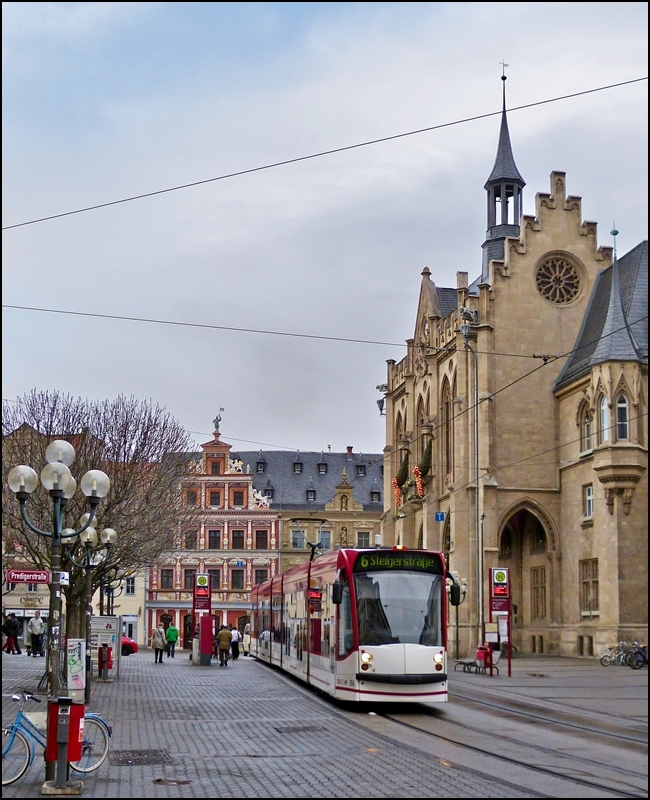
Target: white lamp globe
(60,450)
(108,536)
(22,479)
(89,536)
(55,476)
(95,483)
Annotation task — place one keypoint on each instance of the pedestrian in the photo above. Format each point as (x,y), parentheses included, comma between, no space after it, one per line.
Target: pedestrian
(11,630)
(36,627)
(171,637)
(224,637)
(234,643)
(158,642)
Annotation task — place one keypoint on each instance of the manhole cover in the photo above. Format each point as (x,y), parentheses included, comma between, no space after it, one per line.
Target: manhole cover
(300,729)
(137,758)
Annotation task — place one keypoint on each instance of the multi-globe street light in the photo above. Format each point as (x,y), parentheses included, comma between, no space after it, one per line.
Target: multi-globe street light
(89,539)
(57,479)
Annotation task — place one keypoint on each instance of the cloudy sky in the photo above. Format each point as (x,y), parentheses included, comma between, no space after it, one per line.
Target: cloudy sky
(103,101)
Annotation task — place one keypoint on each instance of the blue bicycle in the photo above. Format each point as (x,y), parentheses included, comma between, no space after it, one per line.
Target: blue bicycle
(25,733)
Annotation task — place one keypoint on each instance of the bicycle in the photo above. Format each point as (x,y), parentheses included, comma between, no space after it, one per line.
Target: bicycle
(617,655)
(25,733)
(638,656)
(504,650)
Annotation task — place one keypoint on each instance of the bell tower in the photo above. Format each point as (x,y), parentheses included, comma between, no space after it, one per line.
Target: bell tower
(504,188)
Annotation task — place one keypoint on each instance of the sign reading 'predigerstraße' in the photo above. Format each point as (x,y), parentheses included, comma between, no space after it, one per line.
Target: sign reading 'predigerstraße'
(28,576)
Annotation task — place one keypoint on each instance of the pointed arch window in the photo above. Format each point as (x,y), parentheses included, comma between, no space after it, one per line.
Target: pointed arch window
(586,429)
(622,418)
(603,420)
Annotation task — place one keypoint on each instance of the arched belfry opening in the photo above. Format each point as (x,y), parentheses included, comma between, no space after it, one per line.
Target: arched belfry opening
(525,546)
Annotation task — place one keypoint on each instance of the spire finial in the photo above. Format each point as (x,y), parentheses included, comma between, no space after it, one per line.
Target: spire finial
(614,233)
(504,78)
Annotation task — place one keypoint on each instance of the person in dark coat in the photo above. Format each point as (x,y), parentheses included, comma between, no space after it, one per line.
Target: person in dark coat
(224,637)
(11,629)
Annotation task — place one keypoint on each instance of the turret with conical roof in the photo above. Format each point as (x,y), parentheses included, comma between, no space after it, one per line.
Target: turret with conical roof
(505,196)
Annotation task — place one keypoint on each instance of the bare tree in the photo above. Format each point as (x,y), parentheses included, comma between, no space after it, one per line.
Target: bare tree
(143,450)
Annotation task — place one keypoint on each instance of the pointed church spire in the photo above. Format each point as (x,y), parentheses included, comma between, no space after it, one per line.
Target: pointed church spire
(504,168)
(617,341)
(505,195)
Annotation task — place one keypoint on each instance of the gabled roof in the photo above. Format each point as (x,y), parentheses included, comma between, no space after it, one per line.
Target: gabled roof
(615,326)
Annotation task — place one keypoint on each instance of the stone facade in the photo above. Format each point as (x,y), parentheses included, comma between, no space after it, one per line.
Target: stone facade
(510,468)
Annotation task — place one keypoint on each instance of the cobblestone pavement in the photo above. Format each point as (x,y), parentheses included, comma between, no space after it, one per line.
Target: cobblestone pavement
(241,731)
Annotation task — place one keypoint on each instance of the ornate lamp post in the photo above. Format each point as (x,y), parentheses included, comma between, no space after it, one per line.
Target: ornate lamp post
(58,481)
(88,538)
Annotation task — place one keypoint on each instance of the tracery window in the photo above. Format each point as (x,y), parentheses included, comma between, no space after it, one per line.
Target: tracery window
(603,420)
(557,280)
(586,429)
(622,417)
(447,430)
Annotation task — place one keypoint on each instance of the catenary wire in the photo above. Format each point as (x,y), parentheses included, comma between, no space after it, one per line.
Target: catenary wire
(320,154)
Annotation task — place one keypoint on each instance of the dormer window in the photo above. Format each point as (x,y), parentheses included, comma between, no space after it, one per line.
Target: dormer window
(322,468)
(261,466)
(297,467)
(268,493)
(311,495)
(361,469)
(375,497)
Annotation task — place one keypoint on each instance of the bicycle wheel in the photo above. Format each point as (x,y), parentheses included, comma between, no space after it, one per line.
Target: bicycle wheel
(94,748)
(15,757)
(636,660)
(606,660)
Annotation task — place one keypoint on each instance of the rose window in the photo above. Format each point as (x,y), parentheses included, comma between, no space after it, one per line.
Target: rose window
(557,280)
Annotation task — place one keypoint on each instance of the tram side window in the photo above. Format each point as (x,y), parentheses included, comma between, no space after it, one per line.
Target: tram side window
(345,641)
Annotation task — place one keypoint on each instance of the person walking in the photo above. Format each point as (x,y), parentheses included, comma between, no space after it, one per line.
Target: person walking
(158,642)
(36,628)
(234,643)
(172,637)
(224,637)
(11,630)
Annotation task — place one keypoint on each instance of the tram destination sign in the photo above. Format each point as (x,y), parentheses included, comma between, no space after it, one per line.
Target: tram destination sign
(28,576)
(399,560)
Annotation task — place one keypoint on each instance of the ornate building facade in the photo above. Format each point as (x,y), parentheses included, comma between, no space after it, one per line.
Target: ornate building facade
(233,536)
(521,404)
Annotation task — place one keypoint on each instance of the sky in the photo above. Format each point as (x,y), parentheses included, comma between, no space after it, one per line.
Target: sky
(104,101)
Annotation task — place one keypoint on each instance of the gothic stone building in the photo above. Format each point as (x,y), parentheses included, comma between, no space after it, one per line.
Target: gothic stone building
(530,385)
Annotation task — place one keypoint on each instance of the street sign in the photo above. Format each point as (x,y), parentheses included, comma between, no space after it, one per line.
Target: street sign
(28,576)
(440,516)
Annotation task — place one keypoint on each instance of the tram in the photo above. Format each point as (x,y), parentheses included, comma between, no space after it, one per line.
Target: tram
(360,625)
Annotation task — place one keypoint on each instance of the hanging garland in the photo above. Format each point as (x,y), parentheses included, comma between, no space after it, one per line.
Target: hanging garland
(419,484)
(396,492)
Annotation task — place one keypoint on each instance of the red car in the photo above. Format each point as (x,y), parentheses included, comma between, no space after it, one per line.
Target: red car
(129,646)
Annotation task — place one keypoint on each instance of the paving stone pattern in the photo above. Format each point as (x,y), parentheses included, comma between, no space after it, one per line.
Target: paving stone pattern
(241,731)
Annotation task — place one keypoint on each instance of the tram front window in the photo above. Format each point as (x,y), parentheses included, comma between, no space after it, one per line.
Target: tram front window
(399,606)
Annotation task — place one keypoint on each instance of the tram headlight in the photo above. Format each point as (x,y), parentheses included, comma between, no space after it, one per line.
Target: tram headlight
(366,658)
(439,658)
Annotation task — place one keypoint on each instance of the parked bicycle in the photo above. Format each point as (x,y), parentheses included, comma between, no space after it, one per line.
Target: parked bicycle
(638,656)
(25,734)
(617,655)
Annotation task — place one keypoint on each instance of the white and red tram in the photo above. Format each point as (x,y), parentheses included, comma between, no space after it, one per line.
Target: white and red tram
(359,624)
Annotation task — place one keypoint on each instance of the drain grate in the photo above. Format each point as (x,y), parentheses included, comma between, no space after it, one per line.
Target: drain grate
(139,758)
(301,729)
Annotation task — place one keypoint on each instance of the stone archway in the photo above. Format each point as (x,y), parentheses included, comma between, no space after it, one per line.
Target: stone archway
(526,544)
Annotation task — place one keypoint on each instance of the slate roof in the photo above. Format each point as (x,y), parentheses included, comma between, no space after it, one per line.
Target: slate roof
(448,300)
(615,326)
(290,488)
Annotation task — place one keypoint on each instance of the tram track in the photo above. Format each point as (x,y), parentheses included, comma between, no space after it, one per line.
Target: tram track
(603,728)
(633,791)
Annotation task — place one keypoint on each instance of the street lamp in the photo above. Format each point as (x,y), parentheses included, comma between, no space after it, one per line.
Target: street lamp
(61,486)
(88,539)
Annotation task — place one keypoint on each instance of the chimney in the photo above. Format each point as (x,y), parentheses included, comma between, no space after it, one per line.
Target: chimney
(349,451)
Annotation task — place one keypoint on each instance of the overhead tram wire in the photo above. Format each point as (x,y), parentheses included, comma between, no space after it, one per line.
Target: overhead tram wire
(320,154)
